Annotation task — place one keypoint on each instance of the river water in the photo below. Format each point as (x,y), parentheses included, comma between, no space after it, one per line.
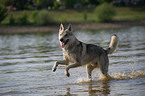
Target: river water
(26,62)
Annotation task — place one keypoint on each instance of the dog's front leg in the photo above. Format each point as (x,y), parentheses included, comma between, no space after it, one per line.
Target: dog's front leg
(62,62)
(71,66)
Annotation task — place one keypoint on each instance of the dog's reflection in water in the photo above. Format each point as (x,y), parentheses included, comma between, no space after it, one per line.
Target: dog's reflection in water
(95,88)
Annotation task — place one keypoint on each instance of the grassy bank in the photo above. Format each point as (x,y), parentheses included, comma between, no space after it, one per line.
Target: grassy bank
(130,13)
(84,19)
(77,15)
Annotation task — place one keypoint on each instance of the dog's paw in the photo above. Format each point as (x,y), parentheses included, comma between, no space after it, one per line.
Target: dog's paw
(67,74)
(90,79)
(54,69)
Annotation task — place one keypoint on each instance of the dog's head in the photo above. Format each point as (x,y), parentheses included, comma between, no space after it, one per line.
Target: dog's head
(66,36)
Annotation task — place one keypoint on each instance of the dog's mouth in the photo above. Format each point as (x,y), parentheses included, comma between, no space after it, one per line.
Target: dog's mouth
(64,42)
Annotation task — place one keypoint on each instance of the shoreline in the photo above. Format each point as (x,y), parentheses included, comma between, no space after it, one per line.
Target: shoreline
(76,26)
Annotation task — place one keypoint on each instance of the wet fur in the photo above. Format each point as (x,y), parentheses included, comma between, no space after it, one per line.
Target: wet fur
(78,53)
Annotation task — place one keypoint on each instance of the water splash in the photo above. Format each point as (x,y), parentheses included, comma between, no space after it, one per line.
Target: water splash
(131,75)
(82,80)
(117,76)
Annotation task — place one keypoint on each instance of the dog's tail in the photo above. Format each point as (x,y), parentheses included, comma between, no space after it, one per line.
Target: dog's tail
(113,44)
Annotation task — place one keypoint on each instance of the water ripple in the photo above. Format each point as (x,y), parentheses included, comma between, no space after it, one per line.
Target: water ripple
(26,61)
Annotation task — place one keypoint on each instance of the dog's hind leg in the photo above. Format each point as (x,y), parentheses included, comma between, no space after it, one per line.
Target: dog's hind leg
(103,64)
(62,62)
(89,69)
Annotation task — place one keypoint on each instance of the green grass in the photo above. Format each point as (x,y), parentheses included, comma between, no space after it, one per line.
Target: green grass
(76,15)
(130,13)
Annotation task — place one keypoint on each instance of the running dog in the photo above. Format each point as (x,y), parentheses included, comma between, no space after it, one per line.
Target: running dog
(78,53)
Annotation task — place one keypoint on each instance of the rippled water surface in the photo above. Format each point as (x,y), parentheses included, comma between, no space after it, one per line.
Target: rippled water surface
(26,61)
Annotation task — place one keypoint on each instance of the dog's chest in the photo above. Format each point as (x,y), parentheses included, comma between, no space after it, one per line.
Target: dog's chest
(70,56)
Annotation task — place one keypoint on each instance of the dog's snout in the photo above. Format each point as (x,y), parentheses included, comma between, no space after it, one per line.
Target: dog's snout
(61,39)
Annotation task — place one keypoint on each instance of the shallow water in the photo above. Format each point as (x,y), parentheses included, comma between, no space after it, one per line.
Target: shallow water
(26,61)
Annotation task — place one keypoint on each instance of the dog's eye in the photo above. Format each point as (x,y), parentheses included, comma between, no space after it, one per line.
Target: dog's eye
(66,35)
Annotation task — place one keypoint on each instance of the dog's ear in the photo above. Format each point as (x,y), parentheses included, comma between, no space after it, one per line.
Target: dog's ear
(69,27)
(61,28)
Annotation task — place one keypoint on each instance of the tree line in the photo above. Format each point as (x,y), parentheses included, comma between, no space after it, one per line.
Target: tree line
(39,4)
(104,10)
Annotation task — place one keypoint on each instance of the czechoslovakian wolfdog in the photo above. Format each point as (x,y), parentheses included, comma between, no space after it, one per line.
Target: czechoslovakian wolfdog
(78,53)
